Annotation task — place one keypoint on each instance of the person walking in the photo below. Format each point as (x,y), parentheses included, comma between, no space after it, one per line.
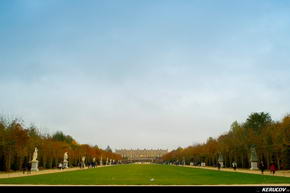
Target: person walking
(234,164)
(60,166)
(24,169)
(262,167)
(219,166)
(28,166)
(273,168)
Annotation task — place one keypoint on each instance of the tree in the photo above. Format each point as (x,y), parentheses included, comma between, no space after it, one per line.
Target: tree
(59,136)
(108,149)
(258,121)
(17,144)
(272,141)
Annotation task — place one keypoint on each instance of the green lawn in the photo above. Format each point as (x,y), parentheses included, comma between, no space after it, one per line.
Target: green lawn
(141,174)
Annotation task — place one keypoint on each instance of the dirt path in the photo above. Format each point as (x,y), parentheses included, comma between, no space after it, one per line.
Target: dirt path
(284,173)
(20,173)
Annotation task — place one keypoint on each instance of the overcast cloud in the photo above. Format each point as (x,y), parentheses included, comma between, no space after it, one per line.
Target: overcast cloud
(143,74)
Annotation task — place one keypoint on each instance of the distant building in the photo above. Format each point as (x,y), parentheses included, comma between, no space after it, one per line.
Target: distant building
(141,154)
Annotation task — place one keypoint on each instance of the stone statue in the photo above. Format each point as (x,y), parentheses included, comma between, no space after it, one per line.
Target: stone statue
(83,162)
(220,159)
(65,156)
(253,157)
(65,162)
(35,154)
(34,161)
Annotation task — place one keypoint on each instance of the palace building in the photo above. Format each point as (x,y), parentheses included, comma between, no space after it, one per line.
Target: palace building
(141,154)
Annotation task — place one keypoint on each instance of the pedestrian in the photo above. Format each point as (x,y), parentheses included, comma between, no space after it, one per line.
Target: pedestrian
(60,166)
(28,166)
(273,168)
(24,167)
(219,166)
(234,165)
(262,167)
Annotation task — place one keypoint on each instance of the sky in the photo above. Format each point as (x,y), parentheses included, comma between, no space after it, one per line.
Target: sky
(143,74)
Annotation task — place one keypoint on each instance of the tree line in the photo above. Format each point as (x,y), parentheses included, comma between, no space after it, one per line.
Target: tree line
(270,138)
(17,145)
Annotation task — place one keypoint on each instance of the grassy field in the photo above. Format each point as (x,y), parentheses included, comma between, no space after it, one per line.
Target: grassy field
(144,174)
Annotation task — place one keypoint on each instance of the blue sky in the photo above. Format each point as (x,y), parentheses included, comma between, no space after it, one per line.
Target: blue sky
(143,74)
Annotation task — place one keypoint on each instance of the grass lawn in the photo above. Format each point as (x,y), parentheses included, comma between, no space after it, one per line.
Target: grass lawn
(134,174)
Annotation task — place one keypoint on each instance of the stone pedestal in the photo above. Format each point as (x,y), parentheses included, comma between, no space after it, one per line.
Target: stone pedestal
(34,165)
(221,164)
(254,166)
(65,164)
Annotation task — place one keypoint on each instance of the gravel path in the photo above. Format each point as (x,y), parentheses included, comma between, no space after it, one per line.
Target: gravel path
(20,174)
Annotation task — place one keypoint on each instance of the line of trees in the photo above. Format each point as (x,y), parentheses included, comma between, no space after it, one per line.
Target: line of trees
(17,145)
(271,139)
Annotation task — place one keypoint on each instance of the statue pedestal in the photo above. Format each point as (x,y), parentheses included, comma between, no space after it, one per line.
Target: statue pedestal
(34,165)
(65,164)
(222,164)
(254,166)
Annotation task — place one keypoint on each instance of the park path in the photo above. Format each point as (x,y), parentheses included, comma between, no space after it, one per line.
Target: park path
(33,173)
(284,173)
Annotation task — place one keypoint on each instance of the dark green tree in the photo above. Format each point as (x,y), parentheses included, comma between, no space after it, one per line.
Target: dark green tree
(60,136)
(108,149)
(258,121)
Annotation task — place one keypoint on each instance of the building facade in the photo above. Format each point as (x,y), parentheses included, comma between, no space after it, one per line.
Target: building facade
(141,154)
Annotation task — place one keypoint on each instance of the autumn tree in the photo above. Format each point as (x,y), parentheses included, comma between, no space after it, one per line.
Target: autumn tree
(271,139)
(17,144)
